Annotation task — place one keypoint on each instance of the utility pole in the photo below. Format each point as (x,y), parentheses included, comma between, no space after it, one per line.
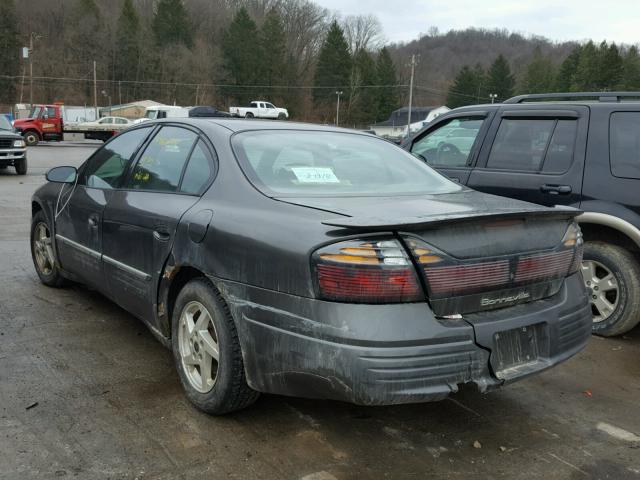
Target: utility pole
(338,108)
(119,92)
(31,68)
(95,90)
(413,69)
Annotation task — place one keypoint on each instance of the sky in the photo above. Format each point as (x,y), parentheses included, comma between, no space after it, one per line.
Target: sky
(405,20)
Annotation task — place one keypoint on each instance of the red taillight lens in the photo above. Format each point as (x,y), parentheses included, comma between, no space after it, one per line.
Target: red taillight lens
(453,279)
(366,271)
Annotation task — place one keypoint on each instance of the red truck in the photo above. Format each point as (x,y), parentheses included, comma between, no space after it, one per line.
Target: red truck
(51,122)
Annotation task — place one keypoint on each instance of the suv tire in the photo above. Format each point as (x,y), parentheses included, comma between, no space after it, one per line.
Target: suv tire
(613,275)
(21,166)
(201,329)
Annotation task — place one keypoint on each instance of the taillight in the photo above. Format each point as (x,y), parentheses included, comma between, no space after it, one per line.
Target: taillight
(366,271)
(573,240)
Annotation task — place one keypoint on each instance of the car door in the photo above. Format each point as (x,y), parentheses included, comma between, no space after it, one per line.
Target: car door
(272,111)
(140,220)
(451,145)
(534,154)
(78,221)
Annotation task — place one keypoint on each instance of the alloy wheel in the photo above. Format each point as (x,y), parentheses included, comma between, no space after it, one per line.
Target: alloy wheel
(198,346)
(42,249)
(605,291)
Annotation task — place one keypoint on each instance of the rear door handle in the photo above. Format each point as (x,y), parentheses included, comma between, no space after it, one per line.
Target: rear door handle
(93,221)
(556,189)
(161,235)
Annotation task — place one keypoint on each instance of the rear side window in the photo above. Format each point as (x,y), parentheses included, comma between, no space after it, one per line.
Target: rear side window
(107,166)
(449,145)
(162,162)
(198,172)
(624,146)
(533,145)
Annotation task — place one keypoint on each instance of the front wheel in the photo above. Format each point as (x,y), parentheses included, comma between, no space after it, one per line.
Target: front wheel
(612,275)
(249,115)
(207,352)
(44,258)
(21,166)
(31,138)
(282,116)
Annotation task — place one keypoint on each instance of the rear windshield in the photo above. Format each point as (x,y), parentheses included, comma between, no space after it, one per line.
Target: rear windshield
(303,163)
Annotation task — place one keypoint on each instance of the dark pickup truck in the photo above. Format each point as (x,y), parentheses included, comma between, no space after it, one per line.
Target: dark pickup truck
(576,149)
(13,152)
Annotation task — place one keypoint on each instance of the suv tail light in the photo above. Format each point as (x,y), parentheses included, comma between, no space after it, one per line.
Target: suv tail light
(366,271)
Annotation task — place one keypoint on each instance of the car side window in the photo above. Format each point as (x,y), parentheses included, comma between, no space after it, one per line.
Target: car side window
(163,160)
(520,144)
(199,170)
(107,166)
(560,152)
(451,144)
(624,147)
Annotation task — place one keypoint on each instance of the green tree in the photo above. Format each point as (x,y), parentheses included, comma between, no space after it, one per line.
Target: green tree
(567,71)
(468,87)
(241,54)
(610,67)
(631,69)
(588,69)
(9,51)
(127,43)
(387,95)
(364,98)
(171,25)
(333,68)
(539,74)
(500,79)
(273,50)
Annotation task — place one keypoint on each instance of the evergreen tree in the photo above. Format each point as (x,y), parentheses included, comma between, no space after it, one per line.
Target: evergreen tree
(539,75)
(171,25)
(631,70)
(588,69)
(500,79)
(610,67)
(333,68)
(241,54)
(84,42)
(273,50)
(364,103)
(127,43)
(9,51)
(387,96)
(468,87)
(567,71)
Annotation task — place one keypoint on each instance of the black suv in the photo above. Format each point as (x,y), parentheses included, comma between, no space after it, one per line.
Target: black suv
(13,150)
(577,149)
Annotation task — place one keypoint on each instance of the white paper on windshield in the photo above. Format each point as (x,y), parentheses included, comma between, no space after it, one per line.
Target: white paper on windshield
(315,175)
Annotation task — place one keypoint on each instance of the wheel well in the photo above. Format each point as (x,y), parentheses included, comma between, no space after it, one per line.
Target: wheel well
(35,208)
(602,233)
(184,275)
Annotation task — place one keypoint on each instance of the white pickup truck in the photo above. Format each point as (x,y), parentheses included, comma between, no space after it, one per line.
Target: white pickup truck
(260,109)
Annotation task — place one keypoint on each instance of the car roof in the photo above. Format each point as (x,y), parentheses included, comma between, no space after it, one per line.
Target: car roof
(240,124)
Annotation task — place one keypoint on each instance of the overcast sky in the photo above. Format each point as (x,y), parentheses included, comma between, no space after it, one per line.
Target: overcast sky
(403,20)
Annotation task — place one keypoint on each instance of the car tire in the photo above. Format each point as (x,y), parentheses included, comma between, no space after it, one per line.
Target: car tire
(282,116)
(202,325)
(42,252)
(612,274)
(249,115)
(31,138)
(21,166)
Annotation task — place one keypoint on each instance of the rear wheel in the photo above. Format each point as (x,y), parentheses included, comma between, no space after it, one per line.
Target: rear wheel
(613,276)
(44,258)
(31,138)
(21,166)
(207,352)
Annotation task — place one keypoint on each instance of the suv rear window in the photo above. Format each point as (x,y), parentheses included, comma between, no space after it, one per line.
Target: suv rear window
(624,144)
(533,145)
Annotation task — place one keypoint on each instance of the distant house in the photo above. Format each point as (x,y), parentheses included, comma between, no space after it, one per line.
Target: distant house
(131,110)
(395,127)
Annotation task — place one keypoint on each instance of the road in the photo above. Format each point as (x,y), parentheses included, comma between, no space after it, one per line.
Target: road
(86,392)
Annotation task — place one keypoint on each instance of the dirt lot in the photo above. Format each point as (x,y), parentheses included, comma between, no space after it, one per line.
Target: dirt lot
(86,392)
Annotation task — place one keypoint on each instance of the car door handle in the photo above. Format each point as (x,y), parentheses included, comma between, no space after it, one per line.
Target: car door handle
(93,222)
(556,189)
(161,235)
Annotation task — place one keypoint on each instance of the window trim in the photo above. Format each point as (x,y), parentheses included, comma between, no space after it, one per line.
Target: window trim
(610,144)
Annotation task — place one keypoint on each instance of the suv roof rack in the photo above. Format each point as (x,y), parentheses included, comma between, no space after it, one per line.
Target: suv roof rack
(601,96)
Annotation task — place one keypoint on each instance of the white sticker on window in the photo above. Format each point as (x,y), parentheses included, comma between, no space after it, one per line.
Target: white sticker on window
(315,175)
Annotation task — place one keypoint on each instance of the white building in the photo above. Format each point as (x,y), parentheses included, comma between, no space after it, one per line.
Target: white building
(395,127)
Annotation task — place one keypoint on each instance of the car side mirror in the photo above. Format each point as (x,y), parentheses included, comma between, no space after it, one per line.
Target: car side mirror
(62,175)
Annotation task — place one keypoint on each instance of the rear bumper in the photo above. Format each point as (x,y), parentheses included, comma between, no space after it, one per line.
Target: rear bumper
(391,354)
(8,156)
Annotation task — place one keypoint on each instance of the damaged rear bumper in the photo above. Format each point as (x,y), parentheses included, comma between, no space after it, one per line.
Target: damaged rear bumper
(391,354)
